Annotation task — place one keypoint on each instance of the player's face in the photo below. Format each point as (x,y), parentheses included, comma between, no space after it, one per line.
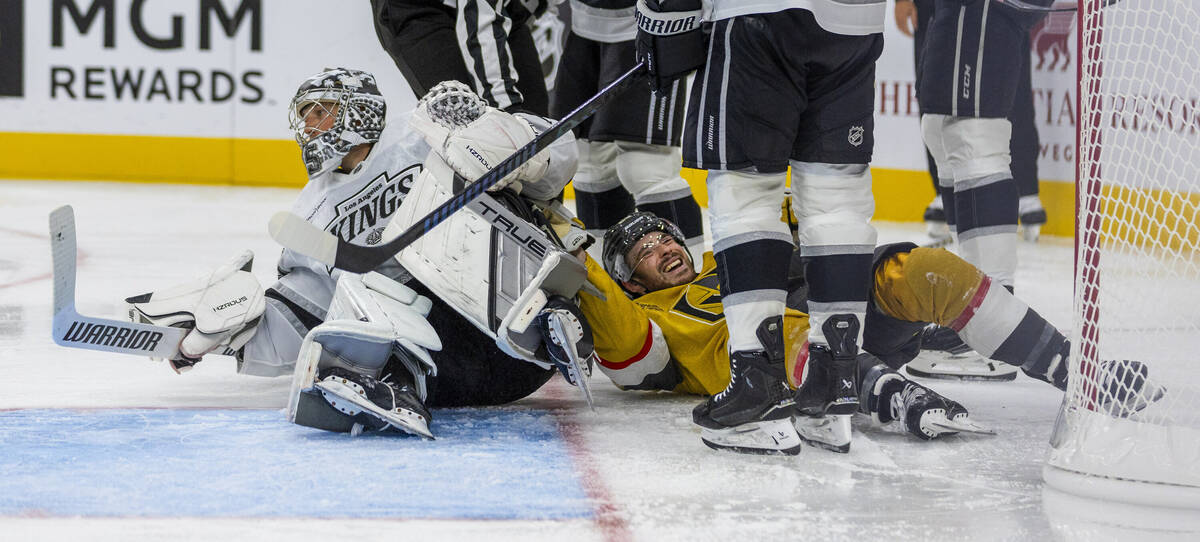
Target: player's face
(318,118)
(659,262)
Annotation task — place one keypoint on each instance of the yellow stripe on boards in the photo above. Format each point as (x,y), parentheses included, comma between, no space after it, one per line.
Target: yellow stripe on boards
(192,160)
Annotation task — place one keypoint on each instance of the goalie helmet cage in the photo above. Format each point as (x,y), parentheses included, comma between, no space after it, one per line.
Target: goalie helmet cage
(1137,257)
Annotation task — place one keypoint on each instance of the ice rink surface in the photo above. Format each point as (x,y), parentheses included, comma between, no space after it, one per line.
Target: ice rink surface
(100,446)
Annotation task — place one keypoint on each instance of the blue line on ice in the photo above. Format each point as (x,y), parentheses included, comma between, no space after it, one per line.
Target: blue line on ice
(485,464)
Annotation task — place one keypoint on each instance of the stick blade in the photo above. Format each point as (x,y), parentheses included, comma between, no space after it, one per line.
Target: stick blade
(74,330)
(62,257)
(299,235)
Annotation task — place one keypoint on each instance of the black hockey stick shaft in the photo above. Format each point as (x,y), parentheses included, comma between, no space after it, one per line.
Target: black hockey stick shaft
(361,259)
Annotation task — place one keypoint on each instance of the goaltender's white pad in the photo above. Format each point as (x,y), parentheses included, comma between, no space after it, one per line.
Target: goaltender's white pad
(484,261)
(370,317)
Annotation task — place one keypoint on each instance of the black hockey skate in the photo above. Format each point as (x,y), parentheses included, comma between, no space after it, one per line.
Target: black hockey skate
(753,413)
(373,403)
(924,412)
(1032,217)
(935,225)
(945,355)
(831,388)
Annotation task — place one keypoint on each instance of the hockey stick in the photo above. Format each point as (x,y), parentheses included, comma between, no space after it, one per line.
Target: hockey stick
(1022,5)
(75,330)
(297,234)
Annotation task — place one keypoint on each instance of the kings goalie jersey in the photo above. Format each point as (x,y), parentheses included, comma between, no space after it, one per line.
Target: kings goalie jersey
(356,206)
(674,339)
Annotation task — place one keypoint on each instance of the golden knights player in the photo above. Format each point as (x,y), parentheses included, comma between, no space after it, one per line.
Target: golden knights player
(629,150)
(376,355)
(781,83)
(670,333)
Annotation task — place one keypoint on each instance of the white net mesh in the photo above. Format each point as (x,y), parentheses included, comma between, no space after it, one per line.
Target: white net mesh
(1138,259)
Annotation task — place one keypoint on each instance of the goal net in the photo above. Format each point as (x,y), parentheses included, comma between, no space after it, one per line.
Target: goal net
(1137,276)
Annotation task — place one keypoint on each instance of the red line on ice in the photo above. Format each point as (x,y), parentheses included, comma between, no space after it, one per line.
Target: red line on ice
(608,517)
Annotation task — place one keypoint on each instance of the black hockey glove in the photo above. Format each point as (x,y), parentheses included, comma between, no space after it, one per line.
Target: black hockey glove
(670,39)
(578,337)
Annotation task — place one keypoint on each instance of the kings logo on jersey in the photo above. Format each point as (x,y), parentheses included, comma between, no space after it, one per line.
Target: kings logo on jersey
(701,300)
(370,209)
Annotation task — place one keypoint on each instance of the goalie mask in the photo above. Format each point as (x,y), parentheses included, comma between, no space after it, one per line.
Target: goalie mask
(624,235)
(333,112)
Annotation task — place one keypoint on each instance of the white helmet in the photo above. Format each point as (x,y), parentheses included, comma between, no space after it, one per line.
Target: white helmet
(359,116)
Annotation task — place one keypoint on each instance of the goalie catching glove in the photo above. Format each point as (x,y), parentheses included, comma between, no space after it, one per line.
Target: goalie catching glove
(222,309)
(474,137)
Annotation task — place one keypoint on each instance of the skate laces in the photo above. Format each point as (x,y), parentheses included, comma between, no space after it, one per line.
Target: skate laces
(733,376)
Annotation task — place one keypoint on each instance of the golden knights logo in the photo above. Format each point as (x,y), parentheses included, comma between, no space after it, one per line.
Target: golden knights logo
(369,209)
(701,300)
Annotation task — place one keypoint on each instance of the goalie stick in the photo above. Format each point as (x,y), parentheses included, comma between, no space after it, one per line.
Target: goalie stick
(75,330)
(295,233)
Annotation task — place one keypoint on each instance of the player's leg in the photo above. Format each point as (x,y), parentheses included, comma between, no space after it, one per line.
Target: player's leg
(832,199)
(500,55)
(472,370)
(1025,147)
(600,200)
(366,365)
(935,218)
(751,245)
(417,34)
(645,128)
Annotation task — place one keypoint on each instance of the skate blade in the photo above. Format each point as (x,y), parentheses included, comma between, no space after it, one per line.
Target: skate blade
(771,437)
(969,366)
(960,426)
(830,432)
(403,420)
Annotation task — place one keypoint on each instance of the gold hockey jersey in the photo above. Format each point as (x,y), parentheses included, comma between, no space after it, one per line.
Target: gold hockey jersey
(675,339)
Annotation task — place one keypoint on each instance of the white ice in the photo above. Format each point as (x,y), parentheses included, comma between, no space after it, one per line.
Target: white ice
(638,457)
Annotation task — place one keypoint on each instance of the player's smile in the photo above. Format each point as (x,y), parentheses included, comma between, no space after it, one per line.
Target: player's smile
(660,262)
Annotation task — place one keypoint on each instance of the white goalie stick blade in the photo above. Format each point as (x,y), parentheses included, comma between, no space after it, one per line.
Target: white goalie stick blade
(403,419)
(75,330)
(568,337)
(765,437)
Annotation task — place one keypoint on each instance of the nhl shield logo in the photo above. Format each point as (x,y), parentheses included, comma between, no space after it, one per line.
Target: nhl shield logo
(856,135)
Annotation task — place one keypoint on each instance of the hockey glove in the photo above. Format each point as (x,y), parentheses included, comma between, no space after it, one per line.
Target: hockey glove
(473,137)
(670,39)
(222,309)
(577,363)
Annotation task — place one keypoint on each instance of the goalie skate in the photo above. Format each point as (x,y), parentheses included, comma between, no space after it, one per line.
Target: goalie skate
(386,407)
